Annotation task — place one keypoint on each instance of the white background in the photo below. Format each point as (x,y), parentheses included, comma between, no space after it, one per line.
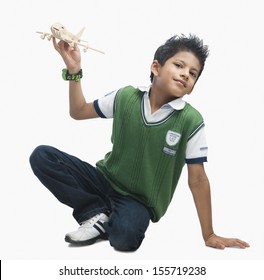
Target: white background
(34,110)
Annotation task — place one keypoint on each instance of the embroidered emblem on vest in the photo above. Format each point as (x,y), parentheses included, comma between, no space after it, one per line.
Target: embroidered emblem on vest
(172,138)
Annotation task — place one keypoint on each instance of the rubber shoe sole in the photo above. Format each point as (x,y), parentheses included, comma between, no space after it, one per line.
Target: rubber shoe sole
(86,242)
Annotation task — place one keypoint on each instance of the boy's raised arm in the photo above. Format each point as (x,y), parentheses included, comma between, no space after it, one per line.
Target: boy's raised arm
(79,108)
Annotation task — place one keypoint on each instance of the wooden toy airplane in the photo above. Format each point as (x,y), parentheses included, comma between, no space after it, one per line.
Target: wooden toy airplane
(59,31)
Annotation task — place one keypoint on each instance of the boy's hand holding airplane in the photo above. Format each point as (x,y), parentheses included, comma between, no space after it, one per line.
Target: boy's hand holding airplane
(68,45)
(70,55)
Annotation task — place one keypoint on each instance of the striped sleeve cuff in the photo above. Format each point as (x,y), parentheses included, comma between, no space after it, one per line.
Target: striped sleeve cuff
(196,160)
(98,110)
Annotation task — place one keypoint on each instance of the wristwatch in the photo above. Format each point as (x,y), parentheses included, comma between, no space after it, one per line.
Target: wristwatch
(71,77)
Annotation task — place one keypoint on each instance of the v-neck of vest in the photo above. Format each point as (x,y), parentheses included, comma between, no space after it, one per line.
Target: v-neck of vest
(153,123)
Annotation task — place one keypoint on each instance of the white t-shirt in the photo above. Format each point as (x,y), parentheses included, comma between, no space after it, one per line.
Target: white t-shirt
(196,151)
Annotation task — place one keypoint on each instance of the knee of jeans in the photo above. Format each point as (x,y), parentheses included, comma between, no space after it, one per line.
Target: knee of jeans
(126,238)
(38,156)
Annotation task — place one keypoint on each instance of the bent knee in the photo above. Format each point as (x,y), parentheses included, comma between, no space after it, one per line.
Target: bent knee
(126,239)
(39,155)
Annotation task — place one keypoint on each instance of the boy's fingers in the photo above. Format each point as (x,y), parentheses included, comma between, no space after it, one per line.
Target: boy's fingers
(221,243)
(240,243)
(54,42)
(57,46)
(215,244)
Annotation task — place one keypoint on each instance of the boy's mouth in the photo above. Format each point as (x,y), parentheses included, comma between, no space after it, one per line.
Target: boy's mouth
(180,82)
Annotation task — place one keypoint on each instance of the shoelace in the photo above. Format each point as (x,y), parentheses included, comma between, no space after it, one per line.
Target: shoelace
(90,222)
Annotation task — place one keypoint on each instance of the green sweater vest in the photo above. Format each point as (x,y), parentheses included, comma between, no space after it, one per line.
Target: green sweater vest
(147,158)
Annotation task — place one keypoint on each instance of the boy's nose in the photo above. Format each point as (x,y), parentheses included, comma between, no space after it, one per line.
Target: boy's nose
(185,75)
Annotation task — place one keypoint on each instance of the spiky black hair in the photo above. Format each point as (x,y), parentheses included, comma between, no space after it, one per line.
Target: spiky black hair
(178,43)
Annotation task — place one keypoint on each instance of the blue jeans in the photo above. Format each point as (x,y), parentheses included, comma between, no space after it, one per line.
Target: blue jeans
(82,187)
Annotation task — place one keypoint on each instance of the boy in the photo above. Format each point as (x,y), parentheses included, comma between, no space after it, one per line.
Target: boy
(154,134)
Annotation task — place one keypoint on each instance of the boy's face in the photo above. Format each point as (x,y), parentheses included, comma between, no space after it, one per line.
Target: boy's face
(177,76)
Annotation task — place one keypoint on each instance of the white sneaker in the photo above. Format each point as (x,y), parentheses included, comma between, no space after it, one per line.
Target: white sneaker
(89,231)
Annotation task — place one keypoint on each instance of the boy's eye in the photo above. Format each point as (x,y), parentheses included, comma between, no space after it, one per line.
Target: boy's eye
(178,65)
(193,74)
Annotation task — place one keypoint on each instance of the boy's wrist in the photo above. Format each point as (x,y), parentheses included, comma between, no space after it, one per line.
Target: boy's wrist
(208,236)
(74,70)
(67,76)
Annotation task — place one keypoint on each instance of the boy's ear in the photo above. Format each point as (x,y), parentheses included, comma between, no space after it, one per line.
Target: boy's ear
(155,67)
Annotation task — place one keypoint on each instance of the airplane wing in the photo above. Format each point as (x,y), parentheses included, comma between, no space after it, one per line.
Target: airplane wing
(86,47)
(83,41)
(72,41)
(44,35)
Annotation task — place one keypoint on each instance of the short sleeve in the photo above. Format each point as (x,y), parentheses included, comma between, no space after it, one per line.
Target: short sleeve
(196,151)
(104,106)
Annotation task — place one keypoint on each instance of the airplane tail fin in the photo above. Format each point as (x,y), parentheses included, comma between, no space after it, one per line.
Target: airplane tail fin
(79,35)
